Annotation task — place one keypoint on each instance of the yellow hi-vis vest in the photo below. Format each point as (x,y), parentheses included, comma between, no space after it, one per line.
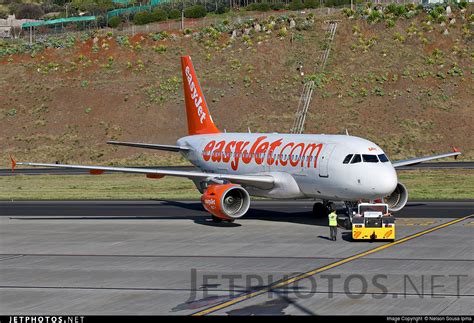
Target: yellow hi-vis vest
(332,219)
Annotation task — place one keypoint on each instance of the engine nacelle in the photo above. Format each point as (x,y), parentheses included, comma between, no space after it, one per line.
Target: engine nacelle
(397,200)
(226,201)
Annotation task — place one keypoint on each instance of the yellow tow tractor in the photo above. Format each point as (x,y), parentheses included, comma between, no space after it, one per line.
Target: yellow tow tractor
(373,222)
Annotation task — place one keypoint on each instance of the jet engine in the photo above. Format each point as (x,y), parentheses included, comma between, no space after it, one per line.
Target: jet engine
(226,201)
(397,200)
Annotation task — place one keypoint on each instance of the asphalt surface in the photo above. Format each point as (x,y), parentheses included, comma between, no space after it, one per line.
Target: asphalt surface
(62,171)
(165,257)
(288,210)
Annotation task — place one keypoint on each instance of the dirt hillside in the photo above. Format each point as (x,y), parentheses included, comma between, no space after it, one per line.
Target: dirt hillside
(408,87)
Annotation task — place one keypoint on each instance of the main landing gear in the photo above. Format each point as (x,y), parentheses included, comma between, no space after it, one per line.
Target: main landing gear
(217,219)
(320,210)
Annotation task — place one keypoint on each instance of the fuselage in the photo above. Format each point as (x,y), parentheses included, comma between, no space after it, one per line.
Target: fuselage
(335,167)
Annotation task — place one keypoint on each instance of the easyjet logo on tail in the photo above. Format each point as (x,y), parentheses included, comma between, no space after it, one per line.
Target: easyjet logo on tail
(195,95)
(197,113)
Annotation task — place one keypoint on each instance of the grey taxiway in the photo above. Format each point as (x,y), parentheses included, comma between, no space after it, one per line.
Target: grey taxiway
(167,257)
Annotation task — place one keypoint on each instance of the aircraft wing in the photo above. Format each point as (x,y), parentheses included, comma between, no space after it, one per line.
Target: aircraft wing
(414,161)
(149,146)
(259,181)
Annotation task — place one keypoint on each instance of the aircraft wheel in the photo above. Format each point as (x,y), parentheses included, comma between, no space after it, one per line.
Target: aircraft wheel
(319,210)
(347,224)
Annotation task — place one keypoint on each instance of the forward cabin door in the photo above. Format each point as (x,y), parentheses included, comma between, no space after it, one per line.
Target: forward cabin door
(323,163)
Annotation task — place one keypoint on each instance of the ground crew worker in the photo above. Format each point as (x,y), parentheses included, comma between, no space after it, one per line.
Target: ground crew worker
(332,223)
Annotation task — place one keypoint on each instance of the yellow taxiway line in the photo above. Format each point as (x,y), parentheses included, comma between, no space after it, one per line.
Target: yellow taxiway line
(313,272)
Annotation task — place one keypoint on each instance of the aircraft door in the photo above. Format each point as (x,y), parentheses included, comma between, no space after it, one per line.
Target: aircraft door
(323,163)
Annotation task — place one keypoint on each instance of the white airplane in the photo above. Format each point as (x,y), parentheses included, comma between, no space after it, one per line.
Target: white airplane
(234,166)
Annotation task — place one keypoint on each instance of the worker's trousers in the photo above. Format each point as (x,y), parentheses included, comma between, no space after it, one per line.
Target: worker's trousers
(333,232)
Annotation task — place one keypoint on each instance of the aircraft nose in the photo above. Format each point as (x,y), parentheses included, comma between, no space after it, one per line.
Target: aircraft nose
(386,182)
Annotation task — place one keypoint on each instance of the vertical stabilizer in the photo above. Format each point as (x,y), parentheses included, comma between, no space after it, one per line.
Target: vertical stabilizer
(199,119)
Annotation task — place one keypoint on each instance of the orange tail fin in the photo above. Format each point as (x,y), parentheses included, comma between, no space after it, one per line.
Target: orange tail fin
(199,119)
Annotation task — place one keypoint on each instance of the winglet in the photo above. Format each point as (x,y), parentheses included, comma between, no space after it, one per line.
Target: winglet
(456,150)
(13,163)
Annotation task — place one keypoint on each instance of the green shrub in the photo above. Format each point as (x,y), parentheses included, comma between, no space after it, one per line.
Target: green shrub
(378,91)
(160,48)
(374,17)
(283,32)
(455,71)
(174,14)
(142,18)
(114,22)
(222,9)
(277,6)
(3,13)
(311,4)
(441,18)
(437,13)
(197,11)
(123,41)
(441,75)
(401,10)
(159,14)
(336,3)
(159,36)
(398,10)
(399,37)
(348,12)
(258,6)
(391,8)
(296,5)
(390,23)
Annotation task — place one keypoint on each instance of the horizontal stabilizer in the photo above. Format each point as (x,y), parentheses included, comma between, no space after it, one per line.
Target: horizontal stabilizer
(149,146)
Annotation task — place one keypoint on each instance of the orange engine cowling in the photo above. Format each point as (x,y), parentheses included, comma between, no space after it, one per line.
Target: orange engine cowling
(226,201)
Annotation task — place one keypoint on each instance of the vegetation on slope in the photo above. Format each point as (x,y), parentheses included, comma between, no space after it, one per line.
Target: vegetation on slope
(408,86)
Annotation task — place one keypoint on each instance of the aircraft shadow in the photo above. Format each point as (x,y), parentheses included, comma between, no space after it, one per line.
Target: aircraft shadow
(180,210)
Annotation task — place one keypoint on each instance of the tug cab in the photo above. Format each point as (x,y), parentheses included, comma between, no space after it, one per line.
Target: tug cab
(373,222)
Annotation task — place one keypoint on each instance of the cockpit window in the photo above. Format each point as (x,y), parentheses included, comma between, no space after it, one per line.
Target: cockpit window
(347,159)
(356,159)
(383,158)
(370,158)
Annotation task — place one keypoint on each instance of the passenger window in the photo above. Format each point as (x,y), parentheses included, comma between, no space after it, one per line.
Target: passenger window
(347,159)
(370,159)
(356,159)
(383,158)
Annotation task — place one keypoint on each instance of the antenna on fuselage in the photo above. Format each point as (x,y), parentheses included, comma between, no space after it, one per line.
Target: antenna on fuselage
(248,128)
(347,132)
